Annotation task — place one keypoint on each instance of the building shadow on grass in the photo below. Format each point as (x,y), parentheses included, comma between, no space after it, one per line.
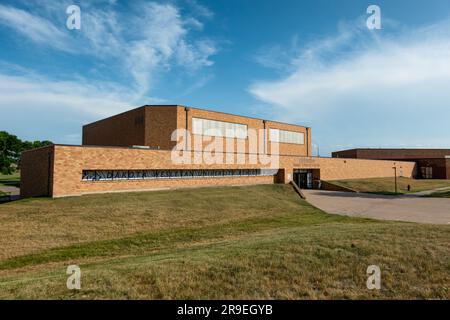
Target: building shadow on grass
(371,195)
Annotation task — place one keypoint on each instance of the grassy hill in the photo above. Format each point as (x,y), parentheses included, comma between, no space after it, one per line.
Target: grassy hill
(440,194)
(10,179)
(230,242)
(387,185)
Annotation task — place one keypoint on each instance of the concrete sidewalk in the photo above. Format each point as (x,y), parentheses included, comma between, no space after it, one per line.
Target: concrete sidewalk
(402,208)
(428,192)
(14,192)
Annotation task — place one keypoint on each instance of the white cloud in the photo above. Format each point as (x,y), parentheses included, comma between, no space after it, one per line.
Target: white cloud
(162,39)
(368,84)
(36,28)
(150,39)
(102,29)
(100,100)
(199,9)
(60,107)
(137,47)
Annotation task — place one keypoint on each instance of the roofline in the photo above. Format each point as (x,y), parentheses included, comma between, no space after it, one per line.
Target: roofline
(184,106)
(355,149)
(193,151)
(114,115)
(238,115)
(51,146)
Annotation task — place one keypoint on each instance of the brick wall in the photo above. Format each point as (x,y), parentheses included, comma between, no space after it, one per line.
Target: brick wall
(160,122)
(68,162)
(252,123)
(393,154)
(125,129)
(36,172)
(438,166)
(447,168)
(335,169)
(434,158)
(153,126)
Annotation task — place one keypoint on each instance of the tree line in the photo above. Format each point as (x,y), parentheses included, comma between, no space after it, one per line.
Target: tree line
(10,149)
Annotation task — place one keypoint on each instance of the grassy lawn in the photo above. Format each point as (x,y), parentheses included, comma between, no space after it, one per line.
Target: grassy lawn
(10,180)
(440,194)
(387,185)
(229,242)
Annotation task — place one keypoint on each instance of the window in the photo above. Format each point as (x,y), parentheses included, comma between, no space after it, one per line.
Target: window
(427,172)
(285,136)
(110,175)
(215,128)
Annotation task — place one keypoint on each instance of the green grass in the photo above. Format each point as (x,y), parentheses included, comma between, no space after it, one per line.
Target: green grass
(10,179)
(387,185)
(440,194)
(260,242)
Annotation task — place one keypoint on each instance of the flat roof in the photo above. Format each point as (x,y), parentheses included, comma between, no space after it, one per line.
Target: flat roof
(393,149)
(183,106)
(393,153)
(238,115)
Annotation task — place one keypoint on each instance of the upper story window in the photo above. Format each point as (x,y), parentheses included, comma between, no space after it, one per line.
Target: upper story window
(284,136)
(218,128)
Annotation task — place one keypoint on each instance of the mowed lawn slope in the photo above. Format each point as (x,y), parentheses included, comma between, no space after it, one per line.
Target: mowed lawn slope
(440,194)
(387,185)
(231,242)
(10,179)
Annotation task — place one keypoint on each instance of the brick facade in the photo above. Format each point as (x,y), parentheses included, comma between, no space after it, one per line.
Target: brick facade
(58,170)
(125,129)
(70,161)
(36,172)
(435,159)
(153,126)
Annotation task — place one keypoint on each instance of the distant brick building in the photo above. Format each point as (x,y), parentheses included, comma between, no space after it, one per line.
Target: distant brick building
(138,150)
(431,163)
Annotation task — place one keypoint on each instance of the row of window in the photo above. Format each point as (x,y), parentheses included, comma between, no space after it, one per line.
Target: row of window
(219,128)
(427,172)
(105,175)
(215,128)
(284,136)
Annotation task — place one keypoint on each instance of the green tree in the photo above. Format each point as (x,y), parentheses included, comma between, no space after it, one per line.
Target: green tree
(10,149)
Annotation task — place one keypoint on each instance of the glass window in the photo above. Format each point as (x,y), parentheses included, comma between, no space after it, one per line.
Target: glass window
(102,175)
(219,128)
(284,136)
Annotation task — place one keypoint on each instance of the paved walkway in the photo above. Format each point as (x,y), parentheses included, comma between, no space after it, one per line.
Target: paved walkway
(402,208)
(13,191)
(428,192)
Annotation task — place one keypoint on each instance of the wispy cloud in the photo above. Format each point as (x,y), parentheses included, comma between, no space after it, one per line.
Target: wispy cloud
(33,91)
(37,29)
(152,39)
(164,39)
(359,77)
(200,9)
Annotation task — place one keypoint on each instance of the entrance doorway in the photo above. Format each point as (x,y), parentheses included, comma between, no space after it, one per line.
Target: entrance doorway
(303,178)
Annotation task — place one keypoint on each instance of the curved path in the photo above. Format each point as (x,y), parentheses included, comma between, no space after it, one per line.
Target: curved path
(402,208)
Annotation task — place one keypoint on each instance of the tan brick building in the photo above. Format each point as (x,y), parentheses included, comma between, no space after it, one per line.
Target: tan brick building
(155,147)
(431,163)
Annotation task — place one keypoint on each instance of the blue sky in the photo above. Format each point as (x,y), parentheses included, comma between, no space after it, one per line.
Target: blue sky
(305,62)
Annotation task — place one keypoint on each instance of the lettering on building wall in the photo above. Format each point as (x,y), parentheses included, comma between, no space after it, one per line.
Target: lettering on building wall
(110,175)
